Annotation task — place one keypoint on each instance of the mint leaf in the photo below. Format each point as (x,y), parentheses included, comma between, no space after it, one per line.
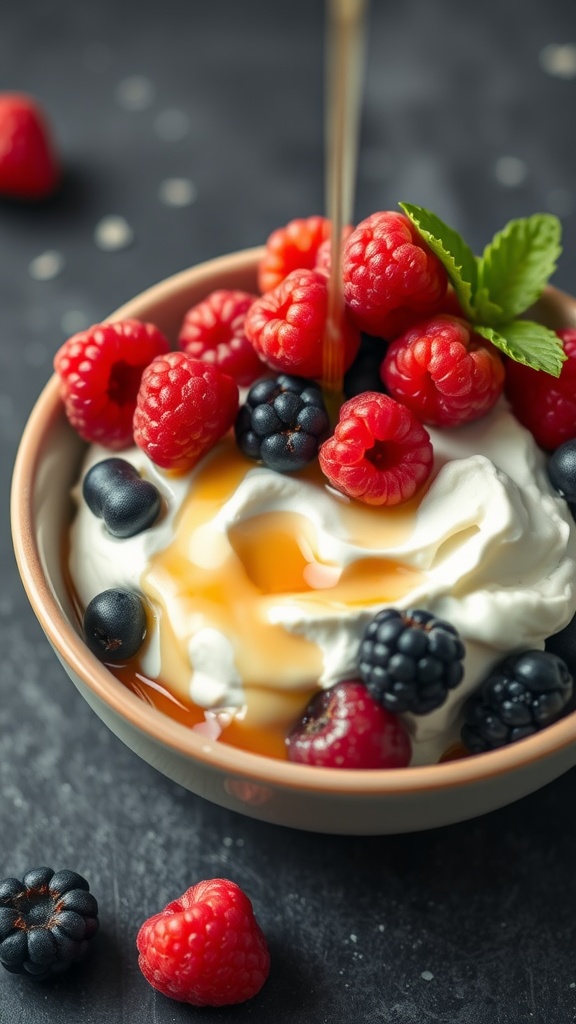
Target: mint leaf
(485,310)
(529,343)
(452,251)
(516,265)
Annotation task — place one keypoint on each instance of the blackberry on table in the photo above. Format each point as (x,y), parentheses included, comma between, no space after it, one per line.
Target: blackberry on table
(282,422)
(46,922)
(409,660)
(522,695)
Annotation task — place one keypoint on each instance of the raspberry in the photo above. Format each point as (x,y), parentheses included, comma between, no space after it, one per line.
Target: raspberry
(323,256)
(286,325)
(344,727)
(205,948)
(390,277)
(184,406)
(379,452)
(410,660)
(100,371)
(213,330)
(444,372)
(293,247)
(47,921)
(282,423)
(523,694)
(546,405)
(29,167)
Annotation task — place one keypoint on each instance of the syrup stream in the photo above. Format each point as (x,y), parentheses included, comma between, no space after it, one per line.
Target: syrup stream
(345,51)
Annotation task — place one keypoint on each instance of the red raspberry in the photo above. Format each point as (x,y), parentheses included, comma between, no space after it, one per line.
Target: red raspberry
(324,254)
(390,277)
(344,727)
(213,331)
(28,164)
(286,325)
(293,247)
(544,404)
(100,371)
(184,406)
(444,372)
(205,948)
(379,452)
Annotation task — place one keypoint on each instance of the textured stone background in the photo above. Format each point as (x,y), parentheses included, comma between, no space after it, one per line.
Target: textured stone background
(467,111)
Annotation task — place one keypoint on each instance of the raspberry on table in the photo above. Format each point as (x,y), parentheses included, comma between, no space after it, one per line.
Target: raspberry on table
(293,247)
(523,694)
(47,921)
(282,422)
(390,276)
(205,948)
(286,325)
(546,405)
(410,660)
(379,452)
(100,370)
(184,407)
(344,727)
(444,372)
(29,166)
(213,330)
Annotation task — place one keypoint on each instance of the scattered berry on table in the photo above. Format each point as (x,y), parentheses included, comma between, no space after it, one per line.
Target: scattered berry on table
(364,373)
(100,370)
(344,727)
(390,276)
(184,407)
(293,247)
(29,166)
(522,694)
(213,330)
(444,372)
(562,469)
(115,492)
(286,325)
(114,625)
(282,422)
(410,660)
(379,452)
(47,921)
(205,948)
(544,404)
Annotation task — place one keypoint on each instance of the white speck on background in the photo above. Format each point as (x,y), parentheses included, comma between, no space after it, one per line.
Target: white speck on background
(35,354)
(97,57)
(172,125)
(559,60)
(353,938)
(135,93)
(227,841)
(573,984)
(510,171)
(561,201)
(74,320)
(177,192)
(381,927)
(113,233)
(239,842)
(46,266)
(427,975)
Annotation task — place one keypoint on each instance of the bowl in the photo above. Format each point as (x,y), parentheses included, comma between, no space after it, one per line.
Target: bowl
(317,799)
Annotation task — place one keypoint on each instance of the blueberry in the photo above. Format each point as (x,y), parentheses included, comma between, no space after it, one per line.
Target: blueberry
(115,492)
(562,470)
(115,625)
(282,423)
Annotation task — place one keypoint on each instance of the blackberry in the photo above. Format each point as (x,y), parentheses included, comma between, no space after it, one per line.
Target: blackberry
(523,694)
(115,625)
(115,492)
(282,423)
(364,373)
(46,922)
(409,660)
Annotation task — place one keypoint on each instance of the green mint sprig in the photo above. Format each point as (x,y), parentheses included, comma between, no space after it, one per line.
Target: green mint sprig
(496,288)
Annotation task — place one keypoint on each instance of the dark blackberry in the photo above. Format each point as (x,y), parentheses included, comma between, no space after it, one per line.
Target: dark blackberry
(282,423)
(522,695)
(562,473)
(409,660)
(364,373)
(115,492)
(46,922)
(115,625)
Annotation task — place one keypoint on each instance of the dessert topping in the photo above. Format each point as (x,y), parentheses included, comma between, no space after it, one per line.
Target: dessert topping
(282,422)
(293,247)
(547,407)
(114,625)
(213,330)
(562,470)
(115,492)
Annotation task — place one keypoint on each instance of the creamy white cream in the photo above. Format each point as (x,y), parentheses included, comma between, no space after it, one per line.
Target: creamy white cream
(492,550)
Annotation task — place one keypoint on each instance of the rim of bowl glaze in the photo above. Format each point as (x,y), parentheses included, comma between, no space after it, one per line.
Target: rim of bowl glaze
(172,734)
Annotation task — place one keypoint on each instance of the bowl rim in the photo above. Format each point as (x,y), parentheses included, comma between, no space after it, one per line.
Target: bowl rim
(146,719)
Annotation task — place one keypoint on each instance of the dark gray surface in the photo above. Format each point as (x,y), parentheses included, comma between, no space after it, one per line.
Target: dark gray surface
(469,924)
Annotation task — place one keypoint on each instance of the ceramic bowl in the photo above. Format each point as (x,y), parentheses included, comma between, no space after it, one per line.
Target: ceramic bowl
(324,800)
